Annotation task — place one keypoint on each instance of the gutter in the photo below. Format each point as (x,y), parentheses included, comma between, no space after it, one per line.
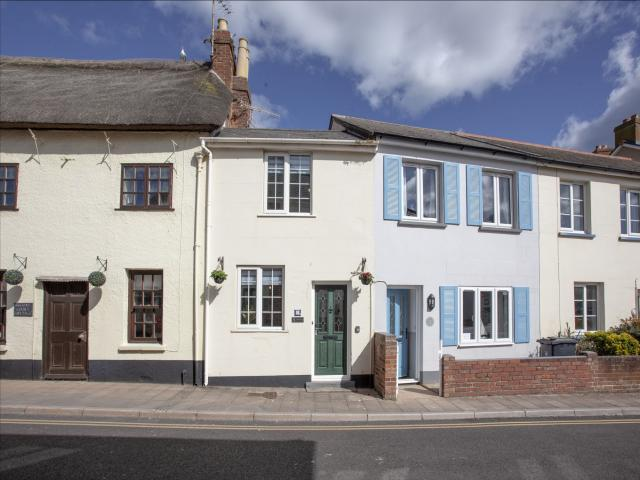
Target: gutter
(319,144)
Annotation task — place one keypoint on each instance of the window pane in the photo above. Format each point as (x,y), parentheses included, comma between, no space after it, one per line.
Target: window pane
(468,315)
(503,314)
(248,285)
(299,183)
(271,297)
(429,193)
(488,207)
(579,323)
(505,200)
(275,179)
(410,192)
(578,192)
(565,206)
(592,322)
(578,223)
(623,212)
(592,292)
(565,191)
(486,315)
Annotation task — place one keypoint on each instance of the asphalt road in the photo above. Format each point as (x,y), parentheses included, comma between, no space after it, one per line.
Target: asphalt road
(589,449)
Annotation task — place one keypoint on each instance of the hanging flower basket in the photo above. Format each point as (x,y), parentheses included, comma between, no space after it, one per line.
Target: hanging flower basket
(97,279)
(219,276)
(366,278)
(13,277)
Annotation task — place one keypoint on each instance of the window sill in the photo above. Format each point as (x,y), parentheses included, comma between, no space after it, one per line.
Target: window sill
(144,209)
(421,224)
(3,348)
(258,330)
(628,238)
(4,209)
(585,236)
(491,229)
(480,345)
(283,215)
(142,347)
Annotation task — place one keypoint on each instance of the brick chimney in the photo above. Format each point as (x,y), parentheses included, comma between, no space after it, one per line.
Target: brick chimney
(628,131)
(234,74)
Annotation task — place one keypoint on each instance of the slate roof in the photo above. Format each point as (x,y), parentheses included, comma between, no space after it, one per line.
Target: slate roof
(268,133)
(123,94)
(371,128)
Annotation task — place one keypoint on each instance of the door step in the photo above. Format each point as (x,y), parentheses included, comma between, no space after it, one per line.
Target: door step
(317,386)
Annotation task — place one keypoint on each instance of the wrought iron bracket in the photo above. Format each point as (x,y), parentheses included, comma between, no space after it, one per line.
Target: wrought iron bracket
(103,263)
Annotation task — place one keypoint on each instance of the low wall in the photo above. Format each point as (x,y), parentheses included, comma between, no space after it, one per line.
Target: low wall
(385,365)
(589,373)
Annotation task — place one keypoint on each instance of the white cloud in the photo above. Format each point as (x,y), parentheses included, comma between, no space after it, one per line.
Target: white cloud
(59,21)
(623,100)
(266,114)
(91,35)
(412,55)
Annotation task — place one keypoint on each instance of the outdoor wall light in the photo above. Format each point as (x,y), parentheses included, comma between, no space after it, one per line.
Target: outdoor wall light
(431,302)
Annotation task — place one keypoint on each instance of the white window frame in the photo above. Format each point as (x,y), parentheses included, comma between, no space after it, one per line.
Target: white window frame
(419,200)
(496,198)
(628,193)
(494,316)
(572,214)
(287,180)
(258,325)
(585,324)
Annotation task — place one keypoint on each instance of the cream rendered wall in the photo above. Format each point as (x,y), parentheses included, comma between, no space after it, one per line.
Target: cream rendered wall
(324,248)
(604,259)
(68,215)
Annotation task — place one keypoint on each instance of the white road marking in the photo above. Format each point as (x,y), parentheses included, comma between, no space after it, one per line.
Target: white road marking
(31,458)
(16,451)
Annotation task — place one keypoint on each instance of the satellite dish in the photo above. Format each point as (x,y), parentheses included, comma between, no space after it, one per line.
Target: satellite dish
(183,55)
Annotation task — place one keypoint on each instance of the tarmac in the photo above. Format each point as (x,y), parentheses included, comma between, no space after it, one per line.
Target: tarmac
(290,405)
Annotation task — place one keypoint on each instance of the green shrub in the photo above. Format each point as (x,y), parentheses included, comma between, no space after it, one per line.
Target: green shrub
(609,343)
(629,325)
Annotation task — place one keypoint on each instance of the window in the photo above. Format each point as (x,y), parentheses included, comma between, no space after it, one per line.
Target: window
(3,309)
(585,306)
(8,186)
(420,192)
(288,184)
(629,212)
(146,186)
(496,199)
(145,306)
(261,295)
(572,207)
(485,314)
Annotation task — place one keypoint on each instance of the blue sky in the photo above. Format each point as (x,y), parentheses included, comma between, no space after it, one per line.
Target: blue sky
(563,73)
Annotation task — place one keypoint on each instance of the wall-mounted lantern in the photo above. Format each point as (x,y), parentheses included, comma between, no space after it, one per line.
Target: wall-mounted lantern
(431,302)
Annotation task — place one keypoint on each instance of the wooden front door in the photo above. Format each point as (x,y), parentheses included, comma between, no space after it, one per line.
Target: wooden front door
(66,315)
(331,325)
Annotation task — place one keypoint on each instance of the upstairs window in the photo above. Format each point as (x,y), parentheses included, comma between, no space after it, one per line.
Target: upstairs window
(146,187)
(420,192)
(497,199)
(288,184)
(8,186)
(572,207)
(629,212)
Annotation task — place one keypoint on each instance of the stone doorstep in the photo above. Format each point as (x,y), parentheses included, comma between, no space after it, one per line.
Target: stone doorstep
(320,386)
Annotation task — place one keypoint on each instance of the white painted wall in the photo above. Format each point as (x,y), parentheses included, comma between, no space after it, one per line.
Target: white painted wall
(604,259)
(324,248)
(68,215)
(458,255)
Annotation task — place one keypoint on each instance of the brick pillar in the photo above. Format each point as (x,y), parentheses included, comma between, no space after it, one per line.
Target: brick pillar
(385,375)
(446,362)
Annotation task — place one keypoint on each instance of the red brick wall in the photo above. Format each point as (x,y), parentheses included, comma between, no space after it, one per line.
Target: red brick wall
(385,363)
(223,60)
(465,378)
(240,115)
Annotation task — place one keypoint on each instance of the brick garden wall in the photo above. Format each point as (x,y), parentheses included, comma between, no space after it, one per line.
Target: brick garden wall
(590,373)
(385,360)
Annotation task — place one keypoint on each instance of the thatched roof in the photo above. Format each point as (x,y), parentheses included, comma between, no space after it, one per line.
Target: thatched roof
(129,94)
(552,155)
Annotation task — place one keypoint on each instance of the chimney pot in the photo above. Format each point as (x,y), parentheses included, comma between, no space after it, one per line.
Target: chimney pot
(223,24)
(242,67)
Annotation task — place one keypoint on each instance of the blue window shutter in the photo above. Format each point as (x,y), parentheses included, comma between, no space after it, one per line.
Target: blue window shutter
(392,189)
(521,314)
(451,188)
(449,316)
(525,203)
(474,195)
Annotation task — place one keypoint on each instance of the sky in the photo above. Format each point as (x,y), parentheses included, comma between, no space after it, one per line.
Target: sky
(561,73)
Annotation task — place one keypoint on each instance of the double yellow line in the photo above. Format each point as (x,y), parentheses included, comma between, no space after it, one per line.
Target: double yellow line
(272,427)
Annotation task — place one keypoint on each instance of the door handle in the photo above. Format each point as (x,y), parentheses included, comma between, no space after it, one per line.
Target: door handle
(82,337)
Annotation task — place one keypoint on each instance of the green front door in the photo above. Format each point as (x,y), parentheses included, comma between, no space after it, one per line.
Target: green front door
(331,319)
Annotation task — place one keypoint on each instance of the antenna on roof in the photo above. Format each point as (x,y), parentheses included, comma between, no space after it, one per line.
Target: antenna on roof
(227,10)
(253,108)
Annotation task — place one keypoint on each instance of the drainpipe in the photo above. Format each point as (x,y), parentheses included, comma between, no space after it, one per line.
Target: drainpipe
(207,257)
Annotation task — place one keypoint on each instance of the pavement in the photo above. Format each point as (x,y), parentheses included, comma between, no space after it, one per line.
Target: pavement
(290,405)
